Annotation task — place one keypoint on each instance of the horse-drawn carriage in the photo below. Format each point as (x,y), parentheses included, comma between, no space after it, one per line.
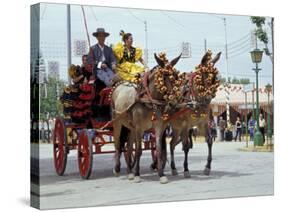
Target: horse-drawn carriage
(87,127)
(162,96)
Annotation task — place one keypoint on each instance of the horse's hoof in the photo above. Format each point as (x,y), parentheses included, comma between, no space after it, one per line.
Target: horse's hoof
(164,180)
(152,168)
(131,176)
(207,171)
(116,174)
(137,179)
(174,172)
(186,174)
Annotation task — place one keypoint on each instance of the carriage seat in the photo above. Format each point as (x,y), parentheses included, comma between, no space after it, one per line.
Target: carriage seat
(102,109)
(105,98)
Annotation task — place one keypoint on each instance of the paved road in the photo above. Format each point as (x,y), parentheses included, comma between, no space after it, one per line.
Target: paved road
(234,174)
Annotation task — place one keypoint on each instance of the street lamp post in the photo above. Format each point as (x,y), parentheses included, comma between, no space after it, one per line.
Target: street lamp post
(246,118)
(269,130)
(68,27)
(256,56)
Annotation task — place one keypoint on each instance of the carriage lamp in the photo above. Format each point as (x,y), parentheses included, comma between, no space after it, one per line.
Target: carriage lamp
(256,56)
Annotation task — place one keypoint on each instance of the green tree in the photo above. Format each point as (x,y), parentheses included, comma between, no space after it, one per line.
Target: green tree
(263,37)
(235,81)
(240,81)
(223,80)
(49,98)
(262,34)
(244,81)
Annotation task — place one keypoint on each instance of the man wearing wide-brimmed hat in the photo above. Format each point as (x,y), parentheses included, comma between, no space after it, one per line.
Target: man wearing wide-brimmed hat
(102,58)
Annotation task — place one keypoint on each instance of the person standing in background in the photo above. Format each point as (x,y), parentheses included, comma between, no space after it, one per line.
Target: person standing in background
(222,125)
(262,126)
(238,126)
(213,129)
(251,127)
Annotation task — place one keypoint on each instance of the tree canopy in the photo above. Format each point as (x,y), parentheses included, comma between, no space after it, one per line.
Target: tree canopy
(49,98)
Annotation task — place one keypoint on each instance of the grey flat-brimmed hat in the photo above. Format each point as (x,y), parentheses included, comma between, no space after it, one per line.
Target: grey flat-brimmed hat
(100,31)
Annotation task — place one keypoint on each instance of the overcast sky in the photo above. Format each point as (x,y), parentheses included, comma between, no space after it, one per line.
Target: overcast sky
(166,31)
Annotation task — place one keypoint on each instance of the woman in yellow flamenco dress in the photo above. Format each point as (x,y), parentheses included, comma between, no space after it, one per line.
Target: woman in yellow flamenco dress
(127,56)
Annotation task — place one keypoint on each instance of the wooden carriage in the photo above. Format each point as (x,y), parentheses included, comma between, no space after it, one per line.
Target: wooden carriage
(90,134)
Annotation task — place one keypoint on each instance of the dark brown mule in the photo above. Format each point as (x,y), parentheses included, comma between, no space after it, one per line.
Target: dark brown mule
(199,116)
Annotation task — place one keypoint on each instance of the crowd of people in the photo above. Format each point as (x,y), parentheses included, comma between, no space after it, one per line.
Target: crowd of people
(239,128)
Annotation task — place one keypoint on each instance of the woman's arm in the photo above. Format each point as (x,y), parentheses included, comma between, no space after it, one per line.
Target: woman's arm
(144,64)
(77,79)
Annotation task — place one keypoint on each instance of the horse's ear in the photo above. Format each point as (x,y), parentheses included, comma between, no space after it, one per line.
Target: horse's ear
(216,58)
(175,60)
(159,61)
(204,59)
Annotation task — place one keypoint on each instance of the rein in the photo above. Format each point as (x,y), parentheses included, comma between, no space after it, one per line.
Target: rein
(145,85)
(147,92)
(185,110)
(177,114)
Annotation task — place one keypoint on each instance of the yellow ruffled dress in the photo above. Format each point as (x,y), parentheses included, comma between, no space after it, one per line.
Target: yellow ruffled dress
(126,62)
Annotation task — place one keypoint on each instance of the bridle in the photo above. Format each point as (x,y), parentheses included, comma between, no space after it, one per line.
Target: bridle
(145,95)
(188,88)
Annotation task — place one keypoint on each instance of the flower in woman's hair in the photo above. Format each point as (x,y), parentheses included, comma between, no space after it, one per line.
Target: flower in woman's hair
(122,33)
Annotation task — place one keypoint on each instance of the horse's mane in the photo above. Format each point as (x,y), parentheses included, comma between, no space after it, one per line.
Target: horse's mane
(152,71)
(154,68)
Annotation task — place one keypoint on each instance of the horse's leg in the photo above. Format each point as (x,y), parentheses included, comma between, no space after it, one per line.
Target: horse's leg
(117,144)
(153,165)
(138,137)
(164,152)
(159,148)
(190,134)
(209,141)
(130,143)
(186,141)
(173,143)
(173,166)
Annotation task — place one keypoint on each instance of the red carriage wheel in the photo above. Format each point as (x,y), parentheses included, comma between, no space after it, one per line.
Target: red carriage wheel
(60,146)
(133,156)
(85,154)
